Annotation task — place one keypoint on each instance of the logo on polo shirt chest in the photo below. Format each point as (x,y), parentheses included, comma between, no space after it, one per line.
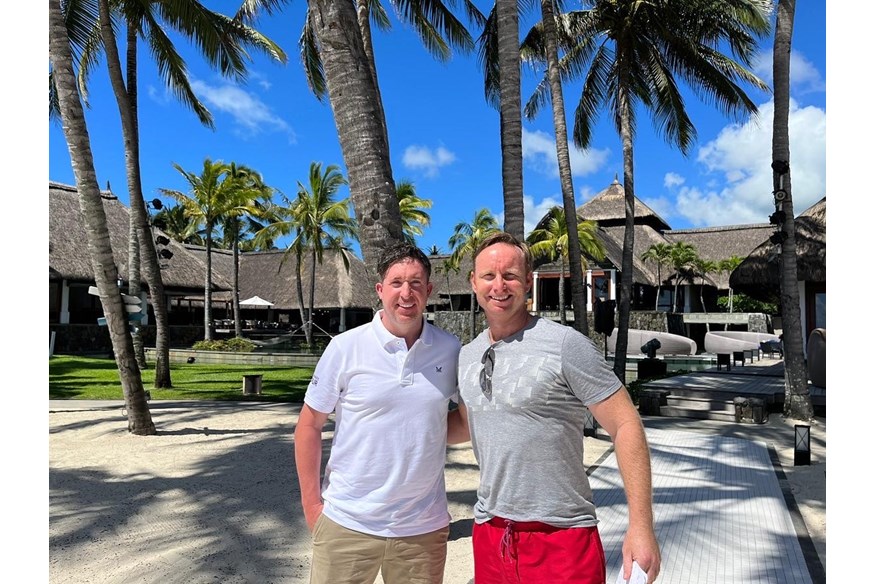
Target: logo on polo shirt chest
(438,368)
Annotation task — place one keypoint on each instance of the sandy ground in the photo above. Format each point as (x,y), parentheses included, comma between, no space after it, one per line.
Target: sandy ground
(213,497)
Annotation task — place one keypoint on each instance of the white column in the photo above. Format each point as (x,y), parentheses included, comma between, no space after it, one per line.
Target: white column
(588,290)
(145,304)
(535,292)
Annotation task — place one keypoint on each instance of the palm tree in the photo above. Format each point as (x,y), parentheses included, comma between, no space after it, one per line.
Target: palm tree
(552,243)
(346,71)
(411,207)
(727,266)
(464,242)
(220,39)
(631,54)
(319,223)
(682,257)
(658,253)
(798,403)
(214,194)
(173,221)
(101,253)
(702,268)
(434,250)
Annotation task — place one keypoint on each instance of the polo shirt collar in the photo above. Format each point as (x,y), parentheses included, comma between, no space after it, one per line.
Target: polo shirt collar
(387,339)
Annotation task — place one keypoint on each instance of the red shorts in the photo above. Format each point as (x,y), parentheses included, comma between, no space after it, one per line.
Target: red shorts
(531,552)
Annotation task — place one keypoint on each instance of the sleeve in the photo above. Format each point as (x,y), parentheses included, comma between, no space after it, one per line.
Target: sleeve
(586,371)
(325,385)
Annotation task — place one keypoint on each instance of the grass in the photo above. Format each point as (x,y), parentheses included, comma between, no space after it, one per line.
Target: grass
(74,377)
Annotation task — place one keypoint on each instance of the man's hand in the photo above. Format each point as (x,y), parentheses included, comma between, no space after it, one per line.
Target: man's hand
(640,544)
(311,514)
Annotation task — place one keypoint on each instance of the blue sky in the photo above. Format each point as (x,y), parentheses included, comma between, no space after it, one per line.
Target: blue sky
(445,138)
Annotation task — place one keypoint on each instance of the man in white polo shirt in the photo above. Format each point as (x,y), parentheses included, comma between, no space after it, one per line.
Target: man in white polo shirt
(382,505)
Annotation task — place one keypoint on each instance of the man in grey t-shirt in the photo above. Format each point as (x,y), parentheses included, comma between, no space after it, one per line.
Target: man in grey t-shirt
(525,384)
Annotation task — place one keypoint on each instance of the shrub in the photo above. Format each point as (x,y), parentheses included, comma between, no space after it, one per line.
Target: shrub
(235,345)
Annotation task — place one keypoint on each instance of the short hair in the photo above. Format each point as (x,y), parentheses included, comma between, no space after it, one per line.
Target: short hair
(400,252)
(507,238)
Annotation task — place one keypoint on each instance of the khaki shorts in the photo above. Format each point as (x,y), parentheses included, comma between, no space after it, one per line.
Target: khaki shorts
(344,556)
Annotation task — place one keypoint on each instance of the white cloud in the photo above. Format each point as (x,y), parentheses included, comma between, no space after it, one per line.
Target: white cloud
(540,151)
(805,77)
(672,180)
(739,177)
(247,110)
(427,160)
(532,211)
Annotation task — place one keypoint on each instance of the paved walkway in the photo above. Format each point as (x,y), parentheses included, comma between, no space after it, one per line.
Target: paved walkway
(213,498)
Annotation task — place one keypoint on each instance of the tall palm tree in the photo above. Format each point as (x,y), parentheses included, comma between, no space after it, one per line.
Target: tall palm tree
(727,266)
(412,209)
(658,253)
(94,218)
(702,268)
(682,257)
(632,54)
(213,194)
(552,242)
(798,402)
(464,242)
(319,223)
(548,52)
(221,40)
(346,71)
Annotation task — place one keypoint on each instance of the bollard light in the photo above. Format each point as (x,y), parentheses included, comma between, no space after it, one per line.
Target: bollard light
(802,450)
(589,423)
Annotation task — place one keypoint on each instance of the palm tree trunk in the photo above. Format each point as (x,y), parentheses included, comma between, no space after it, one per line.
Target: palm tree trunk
(300,291)
(134,288)
(360,125)
(659,280)
(798,403)
(562,291)
(235,296)
(94,218)
(472,332)
(579,293)
(208,285)
(362,14)
(626,287)
(511,125)
(126,100)
(308,328)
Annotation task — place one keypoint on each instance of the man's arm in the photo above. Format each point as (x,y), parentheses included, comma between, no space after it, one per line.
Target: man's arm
(308,460)
(457,426)
(618,416)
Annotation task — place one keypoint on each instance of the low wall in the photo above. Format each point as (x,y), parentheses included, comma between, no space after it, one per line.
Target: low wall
(73,339)
(236,358)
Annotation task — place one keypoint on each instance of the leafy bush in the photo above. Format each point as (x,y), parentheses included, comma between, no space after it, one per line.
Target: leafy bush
(235,345)
(744,303)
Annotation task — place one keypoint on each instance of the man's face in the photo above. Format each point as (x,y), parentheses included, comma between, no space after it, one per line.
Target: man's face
(500,281)
(404,291)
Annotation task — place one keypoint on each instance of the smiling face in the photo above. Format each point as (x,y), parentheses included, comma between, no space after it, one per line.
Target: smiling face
(404,290)
(501,283)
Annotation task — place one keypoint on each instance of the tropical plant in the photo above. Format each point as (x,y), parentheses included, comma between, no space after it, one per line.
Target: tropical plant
(319,223)
(798,402)
(221,40)
(682,257)
(214,194)
(339,61)
(726,266)
(94,218)
(745,303)
(659,254)
(412,210)
(173,221)
(552,243)
(464,242)
(631,55)
(435,250)
(702,268)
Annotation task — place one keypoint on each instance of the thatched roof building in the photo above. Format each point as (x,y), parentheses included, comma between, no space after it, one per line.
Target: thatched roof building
(608,208)
(68,248)
(759,274)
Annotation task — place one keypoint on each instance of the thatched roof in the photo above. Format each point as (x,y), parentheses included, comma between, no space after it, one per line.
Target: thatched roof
(643,272)
(265,274)
(608,209)
(759,273)
(68,248)
(721,243)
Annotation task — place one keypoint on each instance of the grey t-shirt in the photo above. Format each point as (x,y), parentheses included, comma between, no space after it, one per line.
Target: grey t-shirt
(528,438)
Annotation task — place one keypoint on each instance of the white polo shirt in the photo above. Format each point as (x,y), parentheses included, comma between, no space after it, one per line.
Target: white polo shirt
(385,473)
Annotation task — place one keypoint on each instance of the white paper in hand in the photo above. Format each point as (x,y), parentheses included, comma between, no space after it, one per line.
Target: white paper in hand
(637,576)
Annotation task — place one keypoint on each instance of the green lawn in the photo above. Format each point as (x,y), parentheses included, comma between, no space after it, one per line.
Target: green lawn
(73,377)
